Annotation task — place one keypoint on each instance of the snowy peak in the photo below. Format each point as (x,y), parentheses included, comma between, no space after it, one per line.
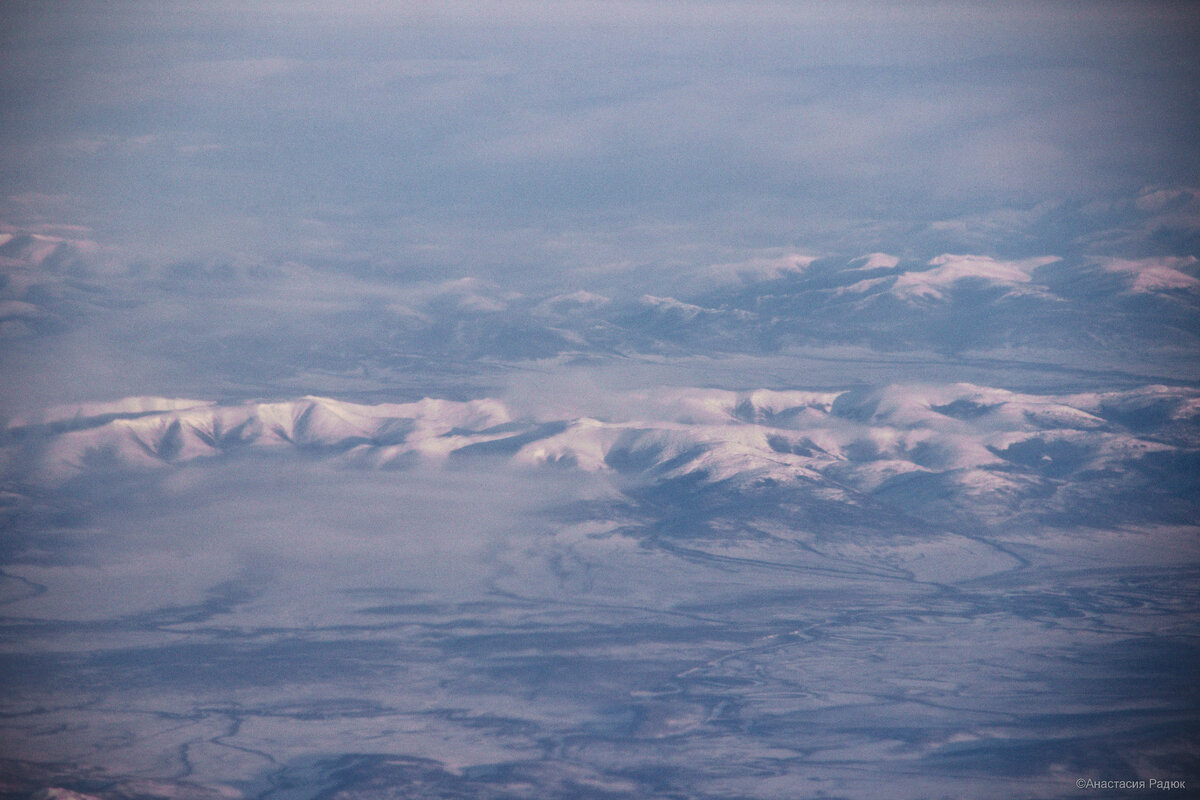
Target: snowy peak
(941,444)
(1156,274)
(948,273)
(147,432)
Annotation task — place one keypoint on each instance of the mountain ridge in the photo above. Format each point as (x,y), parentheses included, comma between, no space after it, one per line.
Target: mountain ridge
(986,446)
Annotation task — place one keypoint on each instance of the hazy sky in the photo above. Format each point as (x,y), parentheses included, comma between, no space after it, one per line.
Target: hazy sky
(956,243)
(536,142)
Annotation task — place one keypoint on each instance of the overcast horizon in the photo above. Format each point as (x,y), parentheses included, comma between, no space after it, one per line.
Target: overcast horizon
(648,398)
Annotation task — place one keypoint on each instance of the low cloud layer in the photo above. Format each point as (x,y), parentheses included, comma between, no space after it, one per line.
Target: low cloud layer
(533,143)
(636,399)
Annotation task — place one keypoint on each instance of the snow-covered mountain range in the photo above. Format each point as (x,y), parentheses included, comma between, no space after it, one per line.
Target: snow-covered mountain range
(955,448)
(951,303)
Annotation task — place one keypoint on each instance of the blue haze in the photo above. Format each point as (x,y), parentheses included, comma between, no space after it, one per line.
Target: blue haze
(598,400)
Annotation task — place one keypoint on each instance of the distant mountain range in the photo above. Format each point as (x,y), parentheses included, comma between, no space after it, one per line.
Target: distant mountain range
(944,452)
(949,303)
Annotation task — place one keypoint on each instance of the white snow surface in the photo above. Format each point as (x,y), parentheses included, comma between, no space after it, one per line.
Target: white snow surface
(948,271)
(978,438)
(1156,274)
